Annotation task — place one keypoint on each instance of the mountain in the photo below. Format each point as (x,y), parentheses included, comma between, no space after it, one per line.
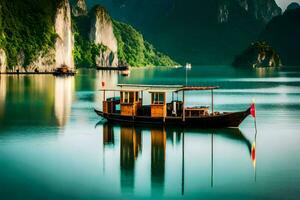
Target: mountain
(40,36)
(282,33)
(79,8)
(104,42)
(35,36)
(201,32)
(293,6)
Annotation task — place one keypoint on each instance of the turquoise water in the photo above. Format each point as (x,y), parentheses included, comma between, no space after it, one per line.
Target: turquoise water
(53,145)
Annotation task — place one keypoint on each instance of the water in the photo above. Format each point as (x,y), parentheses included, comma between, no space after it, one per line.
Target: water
(53,145)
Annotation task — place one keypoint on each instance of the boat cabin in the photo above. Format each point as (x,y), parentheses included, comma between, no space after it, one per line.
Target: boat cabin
(131,102)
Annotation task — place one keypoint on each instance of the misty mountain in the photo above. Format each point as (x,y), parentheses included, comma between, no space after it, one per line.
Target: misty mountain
(200,32)
(283,33)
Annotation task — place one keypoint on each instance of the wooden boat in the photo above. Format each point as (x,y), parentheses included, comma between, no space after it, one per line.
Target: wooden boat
(119,68)
(174,113)
(64,71)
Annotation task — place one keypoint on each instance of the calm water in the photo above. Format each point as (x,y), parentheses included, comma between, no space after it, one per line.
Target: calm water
(52,144)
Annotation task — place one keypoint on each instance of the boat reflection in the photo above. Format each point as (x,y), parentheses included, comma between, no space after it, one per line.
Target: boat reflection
(108,135)
(158,157)
(131,143)
(160,141)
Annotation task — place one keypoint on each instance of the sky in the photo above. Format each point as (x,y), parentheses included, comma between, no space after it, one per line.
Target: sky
(284,3)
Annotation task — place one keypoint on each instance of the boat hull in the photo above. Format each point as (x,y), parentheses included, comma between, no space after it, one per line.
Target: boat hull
(225,120)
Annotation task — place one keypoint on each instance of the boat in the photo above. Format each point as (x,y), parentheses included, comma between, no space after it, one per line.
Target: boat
(188,66)
(64,71)
(125,72)
(118,68)
(129,107)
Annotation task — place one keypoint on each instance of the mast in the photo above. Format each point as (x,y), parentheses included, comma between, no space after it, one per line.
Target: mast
(183,106)
(212,101)
(182,164)
(186,77)
(212,161)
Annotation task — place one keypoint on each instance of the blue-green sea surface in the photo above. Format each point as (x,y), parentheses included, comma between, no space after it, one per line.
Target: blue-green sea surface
(54,146)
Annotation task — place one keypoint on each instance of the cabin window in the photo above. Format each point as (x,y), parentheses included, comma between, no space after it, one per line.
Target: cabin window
(158,98)
(127,97)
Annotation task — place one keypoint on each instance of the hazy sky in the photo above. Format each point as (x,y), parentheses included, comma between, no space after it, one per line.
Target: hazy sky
(284,3)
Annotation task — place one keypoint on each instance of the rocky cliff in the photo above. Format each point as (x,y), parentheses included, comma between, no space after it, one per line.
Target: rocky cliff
(3,62)
(262,10)
(104,42)
(258,55)
(37,35)
(282,32)
(79,8)
(102,33)
(65,40)
(293,6)
(200,32)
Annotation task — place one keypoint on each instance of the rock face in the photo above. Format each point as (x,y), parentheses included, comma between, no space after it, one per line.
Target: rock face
(65,40)
(190,30)
(102,34)
(54,51)
(258,55)
(282,32)
(44,63)
(262,10)
(293,6)
(80,8)
(3,61)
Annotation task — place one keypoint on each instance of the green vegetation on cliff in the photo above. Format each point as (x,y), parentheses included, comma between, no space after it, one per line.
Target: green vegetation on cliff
(26,27)
(84,50)
(135,51)
(257,55)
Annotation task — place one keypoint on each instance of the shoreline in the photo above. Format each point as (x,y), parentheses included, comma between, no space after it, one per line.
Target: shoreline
(22,73)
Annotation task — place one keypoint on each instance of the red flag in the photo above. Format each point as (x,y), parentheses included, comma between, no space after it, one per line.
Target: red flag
(103,83)
(253,152)
(252,110)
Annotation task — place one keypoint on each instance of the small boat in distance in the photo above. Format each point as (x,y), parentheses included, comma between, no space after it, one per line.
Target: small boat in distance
(188,66)
(124,67)
(64,71)
(129,107)
(125,72)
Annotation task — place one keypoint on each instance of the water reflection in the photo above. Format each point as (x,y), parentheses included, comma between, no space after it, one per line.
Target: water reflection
(64,91)
(131,143)
(108,135)
(28,100)
(2,96)
(31,100)
(158,157)
(266,72)
(166,148)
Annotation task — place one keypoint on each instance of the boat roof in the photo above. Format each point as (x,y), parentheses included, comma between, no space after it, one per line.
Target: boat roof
(191,88)
(157,88)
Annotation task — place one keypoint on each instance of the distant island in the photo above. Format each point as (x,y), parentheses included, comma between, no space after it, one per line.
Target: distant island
(258,55)
(41,36)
